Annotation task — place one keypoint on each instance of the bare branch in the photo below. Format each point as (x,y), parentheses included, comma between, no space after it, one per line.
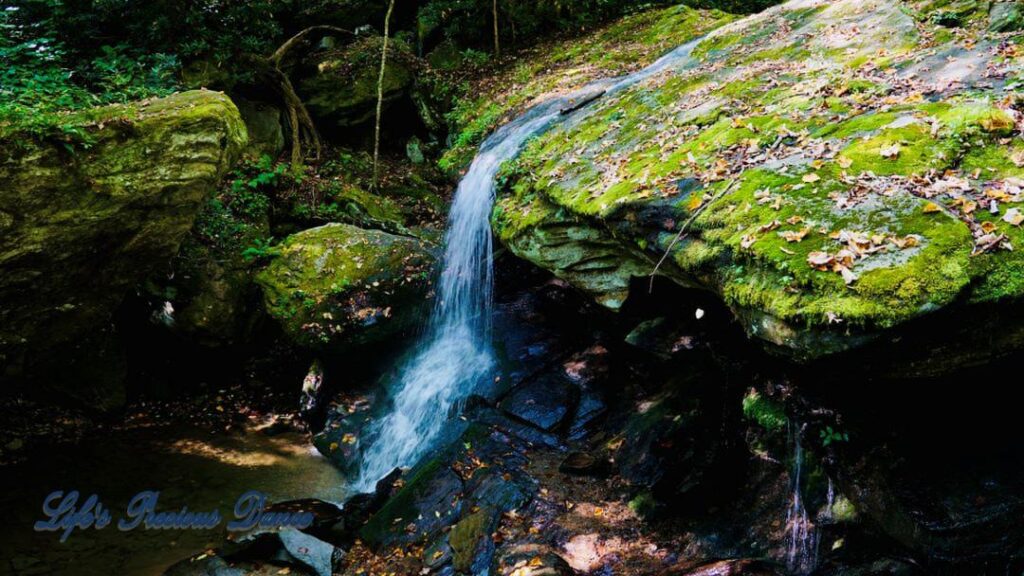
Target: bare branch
(279,54)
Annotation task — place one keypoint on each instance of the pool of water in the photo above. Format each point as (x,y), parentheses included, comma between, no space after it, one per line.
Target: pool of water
(189,467)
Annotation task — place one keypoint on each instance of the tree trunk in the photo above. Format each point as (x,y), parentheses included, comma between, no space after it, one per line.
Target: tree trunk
(497,44)
(380,95)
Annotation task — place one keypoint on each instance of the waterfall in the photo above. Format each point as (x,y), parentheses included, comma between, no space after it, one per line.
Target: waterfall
(801,536)
(454,355)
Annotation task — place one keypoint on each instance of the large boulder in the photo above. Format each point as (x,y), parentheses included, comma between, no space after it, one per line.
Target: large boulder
(342,91)
(84,219)
(838,169)
(339,284)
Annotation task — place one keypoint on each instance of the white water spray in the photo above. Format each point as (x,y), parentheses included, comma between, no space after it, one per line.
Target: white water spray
(455,356)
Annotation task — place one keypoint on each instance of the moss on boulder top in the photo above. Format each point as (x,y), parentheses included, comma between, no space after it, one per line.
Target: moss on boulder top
(342,284)
(92,210)
(840,167)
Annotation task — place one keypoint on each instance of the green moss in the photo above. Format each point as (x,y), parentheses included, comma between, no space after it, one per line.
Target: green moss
(905,151)
(767,413)
(341,282)
(623,46)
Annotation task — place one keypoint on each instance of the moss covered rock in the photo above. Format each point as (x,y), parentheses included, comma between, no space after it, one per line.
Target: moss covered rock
(343,90)
(832,170)
(342,284)
(89,212)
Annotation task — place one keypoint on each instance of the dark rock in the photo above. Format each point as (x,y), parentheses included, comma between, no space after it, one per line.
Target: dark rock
(589,409)
(359,508)
(661,337)
(471,543)
(429,501)
(530,434)
(734,567)
(584,464)
(339,440)
(205,565)
(530,559)
(502,489)
(543,402)
(343,90)
(673,441)
(263,121)
(437,555)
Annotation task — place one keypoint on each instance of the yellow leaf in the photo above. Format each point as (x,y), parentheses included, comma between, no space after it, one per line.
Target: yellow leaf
(931,208)
(811,178)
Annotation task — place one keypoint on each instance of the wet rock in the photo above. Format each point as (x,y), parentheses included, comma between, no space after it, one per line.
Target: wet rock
(530,560)
(589,410)
(429,501)
(95,223)
(543,402)
(502,488)
(492,417)
(339,284)
(339,440)
(437,555)
(471,543)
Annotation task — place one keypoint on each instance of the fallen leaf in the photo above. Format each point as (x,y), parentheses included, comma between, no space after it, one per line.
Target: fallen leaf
(820,259)
(811,178)
(931,208)
(1013,216)
(848,276)
(891,151)
(844,162)
(794,235)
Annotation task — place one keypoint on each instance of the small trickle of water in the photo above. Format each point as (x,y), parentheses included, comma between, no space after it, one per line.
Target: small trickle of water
(801,536)
(454,356)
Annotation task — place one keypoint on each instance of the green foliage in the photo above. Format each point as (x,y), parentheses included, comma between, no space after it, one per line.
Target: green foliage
(261,250)
(830,436)
(249,195)
(40,77)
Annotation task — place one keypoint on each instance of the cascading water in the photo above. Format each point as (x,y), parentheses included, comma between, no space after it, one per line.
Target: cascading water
(454,355)
(801,535)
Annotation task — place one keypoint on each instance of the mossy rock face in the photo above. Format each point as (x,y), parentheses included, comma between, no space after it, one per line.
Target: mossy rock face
(84,220)
(339,284)
(343,90)
(840,168)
